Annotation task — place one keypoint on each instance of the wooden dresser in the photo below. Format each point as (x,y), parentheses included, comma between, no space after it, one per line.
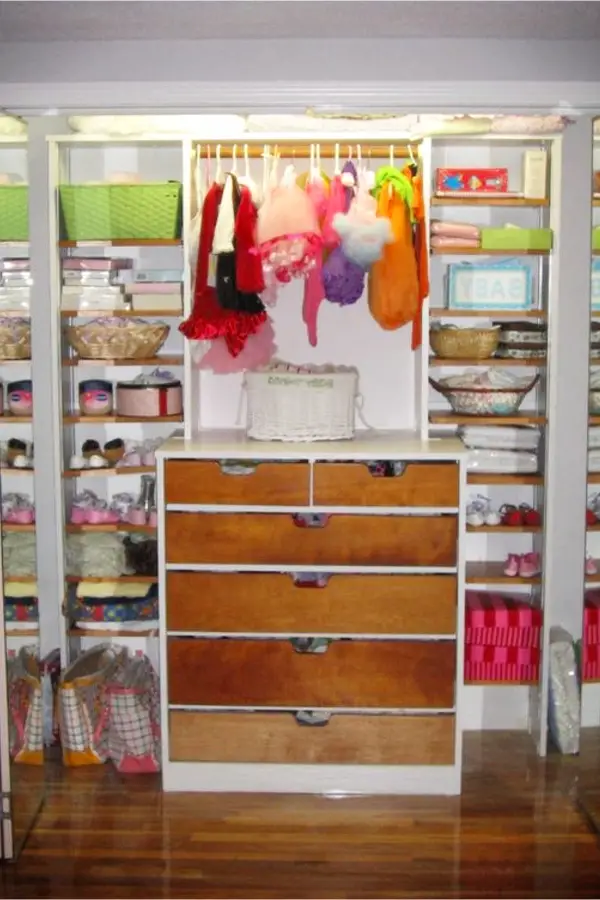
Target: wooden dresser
(311,614)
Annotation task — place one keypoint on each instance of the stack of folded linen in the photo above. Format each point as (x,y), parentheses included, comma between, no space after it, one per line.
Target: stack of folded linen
(509,449)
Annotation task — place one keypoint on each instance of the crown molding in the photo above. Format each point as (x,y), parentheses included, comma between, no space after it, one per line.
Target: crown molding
(567,98)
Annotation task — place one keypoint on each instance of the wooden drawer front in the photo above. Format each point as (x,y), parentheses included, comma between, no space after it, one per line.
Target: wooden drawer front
(351,484)
(252,602)
(203,481)
(345,540)
(277,737)
(386,674)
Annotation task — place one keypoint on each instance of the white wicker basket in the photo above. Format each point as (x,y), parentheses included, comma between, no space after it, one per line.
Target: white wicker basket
(286,406)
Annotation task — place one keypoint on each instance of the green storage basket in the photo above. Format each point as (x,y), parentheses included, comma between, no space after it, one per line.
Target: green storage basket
(510,239)
(596,239)
(14,212)
(112,212)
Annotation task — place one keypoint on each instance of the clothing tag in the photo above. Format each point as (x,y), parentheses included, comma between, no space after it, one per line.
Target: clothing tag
(211,278)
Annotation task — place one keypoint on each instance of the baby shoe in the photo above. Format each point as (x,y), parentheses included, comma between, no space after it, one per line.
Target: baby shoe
(15,448)
(96,461)
(590,566)
(79,515)
(149,458)
(121,504)
(114,450)
(153,518)
(91,448)
(590,517)
(131,459)
(136,515)
(100,514)
(511,516)
(77,462)
(530,515)
(511,567)
(22,462)
(22,514)
(476,514)
(530,565)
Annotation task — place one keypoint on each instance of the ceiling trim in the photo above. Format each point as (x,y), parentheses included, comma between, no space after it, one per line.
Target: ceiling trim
(568,98)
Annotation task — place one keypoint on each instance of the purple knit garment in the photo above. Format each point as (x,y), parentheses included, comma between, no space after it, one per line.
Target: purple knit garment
(343,280)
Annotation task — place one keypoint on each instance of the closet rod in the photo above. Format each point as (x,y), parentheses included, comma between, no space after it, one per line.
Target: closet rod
(302,151)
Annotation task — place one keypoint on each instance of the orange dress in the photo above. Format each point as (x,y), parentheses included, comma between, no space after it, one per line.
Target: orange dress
(420,246)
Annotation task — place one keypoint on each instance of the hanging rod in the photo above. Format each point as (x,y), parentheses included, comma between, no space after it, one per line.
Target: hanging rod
(289,150)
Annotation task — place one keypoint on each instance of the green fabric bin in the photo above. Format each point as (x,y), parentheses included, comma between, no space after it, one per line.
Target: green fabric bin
(510,239)
(596,239)
(14,212)
(111,212)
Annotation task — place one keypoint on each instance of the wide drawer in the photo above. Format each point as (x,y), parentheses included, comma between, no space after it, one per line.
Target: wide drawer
(419,484)
(254,602)
(267,484)
(380,674)
(277,737)
(248,538)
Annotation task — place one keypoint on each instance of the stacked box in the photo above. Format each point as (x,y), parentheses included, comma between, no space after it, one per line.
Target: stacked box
(502,638)
(591,636)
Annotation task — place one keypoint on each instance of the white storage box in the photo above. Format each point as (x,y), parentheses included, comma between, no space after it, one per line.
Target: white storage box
(291,406)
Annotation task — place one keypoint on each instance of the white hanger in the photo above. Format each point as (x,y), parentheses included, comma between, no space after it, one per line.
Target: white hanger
(246,162)
(391,154)
(412,156)
(219,171)
(336,168)
(318,158)
(198,178)
(234,160)
(349,152)
(311,165)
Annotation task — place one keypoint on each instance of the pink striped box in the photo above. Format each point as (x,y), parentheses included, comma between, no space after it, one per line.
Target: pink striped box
(501,620)
(501,663)
(591,617)
(591,662)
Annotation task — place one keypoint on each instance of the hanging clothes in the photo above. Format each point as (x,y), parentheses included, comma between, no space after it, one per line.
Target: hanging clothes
(393,281)
(343,279)
(208,319)
(235,255)
(314,292)
(421,254)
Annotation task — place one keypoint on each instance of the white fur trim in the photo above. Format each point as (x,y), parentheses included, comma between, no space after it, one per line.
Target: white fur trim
(223,239)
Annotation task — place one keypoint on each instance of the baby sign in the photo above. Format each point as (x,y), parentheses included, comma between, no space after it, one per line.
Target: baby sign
(503,285)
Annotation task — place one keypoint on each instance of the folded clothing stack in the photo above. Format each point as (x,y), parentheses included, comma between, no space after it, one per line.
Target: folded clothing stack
(96,556)
(91,603)
(19,554)
(594,449)
(590,663)
(508,449)
(20,605)
(92,283)
(502,640)
(455,234)
(15,284)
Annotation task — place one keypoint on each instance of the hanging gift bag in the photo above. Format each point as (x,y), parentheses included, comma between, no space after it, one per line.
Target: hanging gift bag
(134,718)
(26,714)
(83,710)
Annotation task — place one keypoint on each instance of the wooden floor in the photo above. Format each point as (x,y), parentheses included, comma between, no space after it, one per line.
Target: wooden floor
(518,830)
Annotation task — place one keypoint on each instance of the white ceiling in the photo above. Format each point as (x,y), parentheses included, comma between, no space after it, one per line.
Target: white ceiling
(174,20)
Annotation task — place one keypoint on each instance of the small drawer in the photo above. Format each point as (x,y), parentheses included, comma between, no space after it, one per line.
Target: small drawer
(255,602)
(418,484)
(265,484)
(354,674)
(279,737)
(344,540)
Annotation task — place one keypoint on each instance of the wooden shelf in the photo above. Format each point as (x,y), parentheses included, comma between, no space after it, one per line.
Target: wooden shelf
(519,418)
(105,473)
(20,579)
(488,200)
(493,573)
(22,632)
(442,312)
(593,579)
(593,527)
(437,362)
(500,683)
(501,478)
(593,478)
(170,360)
(122,579)
(18,420)
(108,633)
(121,313)
(594,420)
(109,420)
(479,251)
(504,529)
(15,314)
(11,526)
(122,526)
(9,470)
(126,242)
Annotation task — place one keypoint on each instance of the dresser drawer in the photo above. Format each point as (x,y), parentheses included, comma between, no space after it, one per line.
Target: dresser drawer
(205,482)
(248,538)
(384,674)
(352,484)
(277,737)
(254,602)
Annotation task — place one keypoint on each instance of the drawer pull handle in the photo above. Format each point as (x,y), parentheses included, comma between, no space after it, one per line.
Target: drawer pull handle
(235,468)
(310,579)
(310,520)
(310,645)
(386,469)
(312,719)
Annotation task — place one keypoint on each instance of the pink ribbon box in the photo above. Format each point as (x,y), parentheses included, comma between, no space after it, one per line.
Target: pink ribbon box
(591,662)
(95,264)
(155,287)
(501,663)
(501,620)
(591,617)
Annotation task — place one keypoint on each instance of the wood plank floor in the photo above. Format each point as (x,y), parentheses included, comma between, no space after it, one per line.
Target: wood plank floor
(518,830)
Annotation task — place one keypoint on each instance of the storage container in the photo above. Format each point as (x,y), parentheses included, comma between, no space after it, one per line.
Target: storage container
(449,342)
(596,239)
(14,212)
(501,664)
(501,620)
(484,401)
(19,397)
(149,396)
(117,338)
(104,212)
(95,397)
(516,239)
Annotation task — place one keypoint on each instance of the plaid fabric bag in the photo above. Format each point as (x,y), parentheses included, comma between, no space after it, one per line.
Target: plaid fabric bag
(134,718)
(83,711)
(26,708)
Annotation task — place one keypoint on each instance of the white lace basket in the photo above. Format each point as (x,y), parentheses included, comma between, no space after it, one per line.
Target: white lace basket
(286,406)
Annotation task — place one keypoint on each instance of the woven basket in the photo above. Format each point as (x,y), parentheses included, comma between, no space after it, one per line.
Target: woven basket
(14,212)
(288,406)
(102,340)
(15,341)
(472,401)
(594,402)
(449,342)
(103,212)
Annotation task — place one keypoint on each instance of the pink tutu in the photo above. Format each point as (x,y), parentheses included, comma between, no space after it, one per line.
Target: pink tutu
(288,232)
